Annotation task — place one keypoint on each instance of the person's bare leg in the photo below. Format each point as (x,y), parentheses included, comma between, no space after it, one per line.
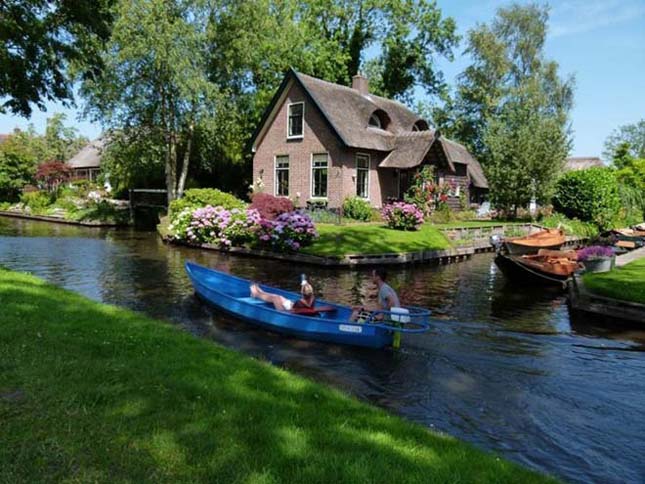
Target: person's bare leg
(274,299)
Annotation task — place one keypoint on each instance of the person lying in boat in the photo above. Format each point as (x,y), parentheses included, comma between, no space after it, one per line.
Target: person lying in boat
(281,303)
(387,298)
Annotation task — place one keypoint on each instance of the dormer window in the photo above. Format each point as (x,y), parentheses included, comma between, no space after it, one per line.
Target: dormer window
(421,125)
(379,119)
(296,114)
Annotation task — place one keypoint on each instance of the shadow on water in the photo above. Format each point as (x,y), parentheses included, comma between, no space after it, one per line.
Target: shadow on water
(503,367)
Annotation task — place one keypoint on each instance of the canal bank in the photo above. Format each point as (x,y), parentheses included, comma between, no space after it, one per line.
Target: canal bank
(504,368)
(94,392)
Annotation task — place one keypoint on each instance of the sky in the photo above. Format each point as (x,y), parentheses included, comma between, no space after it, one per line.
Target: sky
(600,42)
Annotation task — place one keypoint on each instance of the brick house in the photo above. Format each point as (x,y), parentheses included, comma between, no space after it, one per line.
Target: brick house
(320,141)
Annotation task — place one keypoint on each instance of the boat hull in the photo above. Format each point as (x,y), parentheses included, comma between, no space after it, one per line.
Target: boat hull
(231,295)
(550,239)
(513,268)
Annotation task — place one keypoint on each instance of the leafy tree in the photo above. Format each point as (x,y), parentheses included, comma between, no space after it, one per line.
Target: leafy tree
(526,152)
(19,155)
(51,174)
(511,107)
(155,84)
(62,142)
(506,55)
(629,138)
(40,41)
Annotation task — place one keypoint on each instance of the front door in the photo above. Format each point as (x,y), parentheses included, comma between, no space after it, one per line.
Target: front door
(405,180)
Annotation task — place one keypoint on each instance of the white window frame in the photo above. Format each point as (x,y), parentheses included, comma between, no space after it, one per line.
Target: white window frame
(275,174)
(296,136)
(311,170)
(369,168)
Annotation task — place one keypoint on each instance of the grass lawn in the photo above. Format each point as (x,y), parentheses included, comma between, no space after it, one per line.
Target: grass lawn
(626,283)
(94,393)
(376,238)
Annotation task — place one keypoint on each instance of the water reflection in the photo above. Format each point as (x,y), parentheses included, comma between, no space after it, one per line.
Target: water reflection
(503,367)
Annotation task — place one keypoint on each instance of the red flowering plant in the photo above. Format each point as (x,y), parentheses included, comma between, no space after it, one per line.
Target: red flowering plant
(53,174)
(426,193)
(271,207)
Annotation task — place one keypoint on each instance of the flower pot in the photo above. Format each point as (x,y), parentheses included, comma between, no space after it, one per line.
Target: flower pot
(599,264)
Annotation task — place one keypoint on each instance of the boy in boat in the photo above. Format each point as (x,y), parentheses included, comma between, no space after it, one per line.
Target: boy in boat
(282,303)
(387,297)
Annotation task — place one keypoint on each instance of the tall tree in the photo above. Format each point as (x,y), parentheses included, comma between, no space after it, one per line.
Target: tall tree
(631,136)
(40,40)
(511,106)
(155,84)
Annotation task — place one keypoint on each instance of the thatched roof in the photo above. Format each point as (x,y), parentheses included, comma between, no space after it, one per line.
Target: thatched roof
(582,163)
(348,111)
(89,156)
(409,149)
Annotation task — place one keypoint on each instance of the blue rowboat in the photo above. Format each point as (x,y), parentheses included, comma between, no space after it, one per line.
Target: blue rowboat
(327,322)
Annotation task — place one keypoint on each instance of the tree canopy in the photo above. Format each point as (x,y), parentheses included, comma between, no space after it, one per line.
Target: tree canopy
(630,136)
(511,106)
(41,42)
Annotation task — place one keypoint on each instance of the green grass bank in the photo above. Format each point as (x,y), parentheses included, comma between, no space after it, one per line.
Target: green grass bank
(95,393)
(374,238)
(626,283)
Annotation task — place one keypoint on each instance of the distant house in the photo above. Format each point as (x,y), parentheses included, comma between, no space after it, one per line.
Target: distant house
(320,141)
(4,137)
(582,163)
(87,162)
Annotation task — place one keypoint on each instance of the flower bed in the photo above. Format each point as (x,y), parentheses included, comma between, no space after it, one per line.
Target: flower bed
(289,232)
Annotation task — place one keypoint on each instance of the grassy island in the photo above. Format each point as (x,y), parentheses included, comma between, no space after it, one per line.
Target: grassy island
(94,393)
(626,283)
(375,238)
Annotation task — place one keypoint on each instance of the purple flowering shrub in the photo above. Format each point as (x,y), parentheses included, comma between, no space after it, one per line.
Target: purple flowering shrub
(288,232)
(235,228)
(402,216)
(216,225)
(595,252)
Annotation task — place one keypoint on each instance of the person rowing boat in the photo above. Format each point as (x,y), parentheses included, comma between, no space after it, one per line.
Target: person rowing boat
(388,300)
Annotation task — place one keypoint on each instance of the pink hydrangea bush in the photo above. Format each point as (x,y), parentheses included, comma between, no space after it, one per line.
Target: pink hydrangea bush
(216,225)
(288,232)
(236,228)
(402,216)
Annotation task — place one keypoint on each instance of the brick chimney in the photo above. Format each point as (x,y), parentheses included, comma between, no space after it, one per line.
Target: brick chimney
(361,84)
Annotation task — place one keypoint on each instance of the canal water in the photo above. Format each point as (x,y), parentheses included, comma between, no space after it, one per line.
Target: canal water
(503,367)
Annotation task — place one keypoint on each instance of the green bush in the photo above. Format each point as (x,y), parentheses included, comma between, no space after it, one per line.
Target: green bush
(5,205)
(357,209)
(442,215)
(589,195)
(37,201)
(201,197)
(633,205)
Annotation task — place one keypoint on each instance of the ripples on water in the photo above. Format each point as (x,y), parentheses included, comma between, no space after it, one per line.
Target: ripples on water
(503,366)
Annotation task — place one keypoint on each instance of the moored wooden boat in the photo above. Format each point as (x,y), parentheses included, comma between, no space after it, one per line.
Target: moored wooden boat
(328,322)
(547,267)
(551,239)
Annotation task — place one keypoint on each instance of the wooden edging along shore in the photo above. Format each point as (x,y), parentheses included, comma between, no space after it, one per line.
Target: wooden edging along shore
(58,220)
(438,256)
(581,299)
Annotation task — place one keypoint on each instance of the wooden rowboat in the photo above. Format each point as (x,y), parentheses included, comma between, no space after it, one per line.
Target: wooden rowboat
(547,267)
(551,239)
(327,322)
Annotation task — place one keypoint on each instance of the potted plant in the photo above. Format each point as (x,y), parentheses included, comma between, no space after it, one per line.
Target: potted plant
(597,258)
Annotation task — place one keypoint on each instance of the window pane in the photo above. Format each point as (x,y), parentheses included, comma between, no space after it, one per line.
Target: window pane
(295,119)
(319,175)
(361,183)
(282,176)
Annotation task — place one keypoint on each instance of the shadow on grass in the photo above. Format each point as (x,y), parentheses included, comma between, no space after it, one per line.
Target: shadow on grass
(112,395)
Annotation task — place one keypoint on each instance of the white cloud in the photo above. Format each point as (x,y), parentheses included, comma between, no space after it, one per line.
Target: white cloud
(577,16)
